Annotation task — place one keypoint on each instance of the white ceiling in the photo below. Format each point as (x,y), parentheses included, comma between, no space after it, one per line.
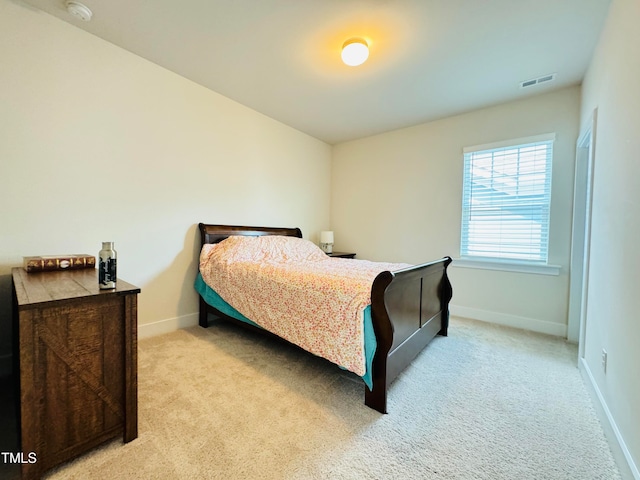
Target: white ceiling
(429,58)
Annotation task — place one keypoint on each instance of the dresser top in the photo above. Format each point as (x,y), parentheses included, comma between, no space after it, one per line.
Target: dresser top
(44,287)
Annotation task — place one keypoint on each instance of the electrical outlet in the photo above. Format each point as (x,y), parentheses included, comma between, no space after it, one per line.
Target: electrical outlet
(604,360)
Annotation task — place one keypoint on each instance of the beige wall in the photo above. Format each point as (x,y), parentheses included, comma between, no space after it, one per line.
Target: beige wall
(397,196)
(612,323)
(97,144)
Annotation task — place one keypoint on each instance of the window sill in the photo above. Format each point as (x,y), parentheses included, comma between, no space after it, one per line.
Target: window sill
(507,266)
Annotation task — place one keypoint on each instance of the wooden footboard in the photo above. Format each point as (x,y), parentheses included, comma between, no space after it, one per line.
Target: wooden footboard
(408,308)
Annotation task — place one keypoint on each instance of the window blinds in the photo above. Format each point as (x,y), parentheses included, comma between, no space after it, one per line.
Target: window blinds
(506,200)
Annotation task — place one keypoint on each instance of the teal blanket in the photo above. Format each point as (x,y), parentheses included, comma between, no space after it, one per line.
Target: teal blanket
(212,298)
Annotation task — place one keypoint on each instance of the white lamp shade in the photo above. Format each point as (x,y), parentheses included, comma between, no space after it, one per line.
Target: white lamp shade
(326,237)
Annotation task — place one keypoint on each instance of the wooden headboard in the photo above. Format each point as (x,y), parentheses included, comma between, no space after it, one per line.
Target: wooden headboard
(217,233)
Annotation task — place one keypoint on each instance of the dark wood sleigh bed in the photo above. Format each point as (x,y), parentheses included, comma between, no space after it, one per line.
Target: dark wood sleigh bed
(409,308)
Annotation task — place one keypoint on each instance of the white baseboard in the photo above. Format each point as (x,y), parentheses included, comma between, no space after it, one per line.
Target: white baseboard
(525,323)
(627,466)
(147,330)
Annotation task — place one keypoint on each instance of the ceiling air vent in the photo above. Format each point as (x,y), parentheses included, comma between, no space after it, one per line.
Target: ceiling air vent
(538,81)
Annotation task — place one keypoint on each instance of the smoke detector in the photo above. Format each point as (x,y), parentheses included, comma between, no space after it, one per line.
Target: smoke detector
(79,10)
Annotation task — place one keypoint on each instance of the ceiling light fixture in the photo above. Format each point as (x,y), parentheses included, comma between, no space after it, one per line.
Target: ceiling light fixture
(355,51)
(79,10)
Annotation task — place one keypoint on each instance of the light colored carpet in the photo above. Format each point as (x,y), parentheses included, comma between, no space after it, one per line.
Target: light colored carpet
(487,402)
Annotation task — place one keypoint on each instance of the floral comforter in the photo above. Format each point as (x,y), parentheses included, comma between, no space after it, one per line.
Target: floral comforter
(290,287)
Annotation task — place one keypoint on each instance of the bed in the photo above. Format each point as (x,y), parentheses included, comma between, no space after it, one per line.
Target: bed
(408,308)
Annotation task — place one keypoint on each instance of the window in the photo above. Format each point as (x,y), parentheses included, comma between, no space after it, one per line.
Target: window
(506,199)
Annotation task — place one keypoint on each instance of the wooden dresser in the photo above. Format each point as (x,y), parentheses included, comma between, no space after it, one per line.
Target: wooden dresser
(76,362)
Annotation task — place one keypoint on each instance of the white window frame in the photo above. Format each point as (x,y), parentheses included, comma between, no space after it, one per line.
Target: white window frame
(504,262)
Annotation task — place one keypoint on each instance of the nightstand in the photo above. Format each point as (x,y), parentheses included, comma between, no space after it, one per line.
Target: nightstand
(76,361)
(342,255)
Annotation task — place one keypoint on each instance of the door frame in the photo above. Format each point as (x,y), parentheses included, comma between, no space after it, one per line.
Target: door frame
(581,233)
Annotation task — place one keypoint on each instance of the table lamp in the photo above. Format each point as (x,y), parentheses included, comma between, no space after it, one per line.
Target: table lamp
(326,241)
